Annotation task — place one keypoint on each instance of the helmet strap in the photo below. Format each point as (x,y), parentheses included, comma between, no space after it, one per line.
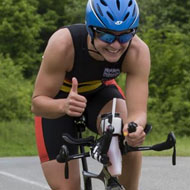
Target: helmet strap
(95,51)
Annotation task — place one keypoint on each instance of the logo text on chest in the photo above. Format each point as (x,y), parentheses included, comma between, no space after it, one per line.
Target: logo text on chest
(111,72)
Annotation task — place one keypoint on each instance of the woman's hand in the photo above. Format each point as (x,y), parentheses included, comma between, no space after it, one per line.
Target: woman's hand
(136,138)
(75,104)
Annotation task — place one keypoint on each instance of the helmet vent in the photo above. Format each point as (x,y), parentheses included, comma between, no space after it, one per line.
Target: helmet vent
(134,11)
(118,4)
(103,2)
(130,3)
(99,10)
(126,16)
(111,17)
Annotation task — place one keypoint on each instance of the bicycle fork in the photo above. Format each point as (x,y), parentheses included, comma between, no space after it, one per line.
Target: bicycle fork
(110,182)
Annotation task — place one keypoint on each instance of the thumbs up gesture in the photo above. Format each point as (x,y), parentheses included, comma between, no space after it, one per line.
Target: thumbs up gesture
(75,104)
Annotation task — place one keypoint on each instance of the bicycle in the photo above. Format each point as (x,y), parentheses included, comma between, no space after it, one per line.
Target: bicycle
(99,148)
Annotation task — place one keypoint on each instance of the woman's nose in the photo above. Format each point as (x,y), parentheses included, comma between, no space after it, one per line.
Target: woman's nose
(116,44)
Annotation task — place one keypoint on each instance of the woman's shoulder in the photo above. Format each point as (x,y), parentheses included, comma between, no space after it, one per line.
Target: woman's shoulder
(138,45)
(59,51)
(61,38)
(138,55)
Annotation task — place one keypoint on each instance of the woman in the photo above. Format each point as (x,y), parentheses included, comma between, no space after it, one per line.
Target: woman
(77,76)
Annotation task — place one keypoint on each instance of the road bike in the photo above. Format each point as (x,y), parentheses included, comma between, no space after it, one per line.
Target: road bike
(98,149)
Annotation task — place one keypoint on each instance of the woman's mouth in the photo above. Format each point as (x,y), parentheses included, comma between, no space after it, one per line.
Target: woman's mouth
(113,51)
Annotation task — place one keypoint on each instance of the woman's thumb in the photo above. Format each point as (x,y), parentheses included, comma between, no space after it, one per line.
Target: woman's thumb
(74,87)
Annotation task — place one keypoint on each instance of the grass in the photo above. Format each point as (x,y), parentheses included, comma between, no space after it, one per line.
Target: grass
(18,139)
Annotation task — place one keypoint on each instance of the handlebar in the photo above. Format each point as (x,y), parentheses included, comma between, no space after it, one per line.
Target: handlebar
(168,144)
(99,147)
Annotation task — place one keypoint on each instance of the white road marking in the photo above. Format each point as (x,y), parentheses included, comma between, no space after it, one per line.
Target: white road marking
(24,180)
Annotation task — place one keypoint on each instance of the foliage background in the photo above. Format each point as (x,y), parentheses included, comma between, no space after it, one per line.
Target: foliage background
(26,25)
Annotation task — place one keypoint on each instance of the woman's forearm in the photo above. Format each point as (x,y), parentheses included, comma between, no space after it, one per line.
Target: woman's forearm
(47,107)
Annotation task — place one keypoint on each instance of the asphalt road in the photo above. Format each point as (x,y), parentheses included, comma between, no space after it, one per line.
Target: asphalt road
(24,173)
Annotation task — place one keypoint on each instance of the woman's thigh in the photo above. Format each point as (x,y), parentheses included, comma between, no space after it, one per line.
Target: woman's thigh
(49,141)
(49,136)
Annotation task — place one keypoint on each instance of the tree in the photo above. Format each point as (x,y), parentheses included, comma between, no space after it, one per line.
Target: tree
(15,91)
(75,12)
(58,13)
(164,29)
(20,26)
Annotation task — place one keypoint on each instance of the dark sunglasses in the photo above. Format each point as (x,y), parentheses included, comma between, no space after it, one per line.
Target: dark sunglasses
(110,38)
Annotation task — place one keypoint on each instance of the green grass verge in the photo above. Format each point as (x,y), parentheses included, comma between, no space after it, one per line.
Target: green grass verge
(18,139)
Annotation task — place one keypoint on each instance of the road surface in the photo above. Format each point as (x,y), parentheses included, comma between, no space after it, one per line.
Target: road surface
(24,173)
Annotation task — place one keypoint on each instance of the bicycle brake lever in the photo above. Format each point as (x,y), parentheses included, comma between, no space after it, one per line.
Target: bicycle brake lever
(174,156)
(62,157)
(147,128)
(169,143)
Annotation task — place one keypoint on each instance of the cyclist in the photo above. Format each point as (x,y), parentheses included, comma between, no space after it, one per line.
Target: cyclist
(76,77)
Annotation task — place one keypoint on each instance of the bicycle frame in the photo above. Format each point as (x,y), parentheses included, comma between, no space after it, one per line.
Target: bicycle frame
(91,142)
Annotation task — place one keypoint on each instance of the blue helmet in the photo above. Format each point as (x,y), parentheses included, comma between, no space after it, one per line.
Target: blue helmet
(114,15)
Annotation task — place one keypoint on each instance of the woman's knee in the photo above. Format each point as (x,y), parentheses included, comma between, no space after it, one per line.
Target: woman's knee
(120,108)
(54,173)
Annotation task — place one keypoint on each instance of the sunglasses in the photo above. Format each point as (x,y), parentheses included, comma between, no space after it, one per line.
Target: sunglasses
(110,38)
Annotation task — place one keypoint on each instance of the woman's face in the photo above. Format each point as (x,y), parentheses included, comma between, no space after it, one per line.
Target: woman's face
(111,51)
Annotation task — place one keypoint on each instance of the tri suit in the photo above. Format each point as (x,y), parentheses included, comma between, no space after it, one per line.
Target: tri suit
(95,82)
